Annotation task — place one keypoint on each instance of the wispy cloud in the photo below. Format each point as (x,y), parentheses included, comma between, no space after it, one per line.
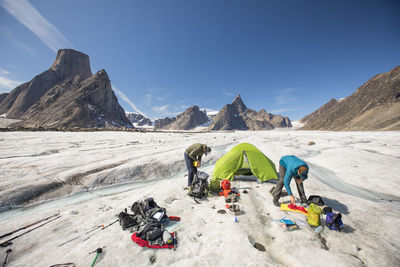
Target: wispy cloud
(227,93)
(2,72)
(285,96)
(16,42)
(6,84)
(126,99)
(283,110)
(161,109)
(27,15)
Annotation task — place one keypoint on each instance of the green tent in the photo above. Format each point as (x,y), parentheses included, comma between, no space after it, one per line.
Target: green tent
(245,159)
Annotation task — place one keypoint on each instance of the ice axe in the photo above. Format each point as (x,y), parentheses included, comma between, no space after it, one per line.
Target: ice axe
(8,252)
(98,252)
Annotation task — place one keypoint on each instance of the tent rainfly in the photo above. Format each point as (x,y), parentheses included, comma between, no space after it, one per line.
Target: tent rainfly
(245,159)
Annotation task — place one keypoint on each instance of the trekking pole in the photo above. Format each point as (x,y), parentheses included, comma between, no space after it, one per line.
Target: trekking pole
(95,228)
(98,251)
(8,252)
(8,242)
(76,237)
(104,227)
(27,226)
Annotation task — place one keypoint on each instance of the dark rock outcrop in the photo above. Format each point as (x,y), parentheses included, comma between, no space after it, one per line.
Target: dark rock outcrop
(374,106)
(2,96)
(237,116)
(139,119)
(189,119)
(66,95)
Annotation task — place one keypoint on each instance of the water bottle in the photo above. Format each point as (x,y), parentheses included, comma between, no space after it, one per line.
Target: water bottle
(235,219)
(319,229)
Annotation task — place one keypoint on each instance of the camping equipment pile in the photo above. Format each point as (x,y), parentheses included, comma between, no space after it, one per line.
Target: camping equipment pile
(149,224)
(332,220)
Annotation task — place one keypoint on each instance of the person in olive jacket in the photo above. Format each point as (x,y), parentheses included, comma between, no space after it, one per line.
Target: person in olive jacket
(193,156)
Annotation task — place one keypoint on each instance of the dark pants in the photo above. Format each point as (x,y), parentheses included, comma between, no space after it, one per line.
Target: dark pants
(191,169)
(279,185)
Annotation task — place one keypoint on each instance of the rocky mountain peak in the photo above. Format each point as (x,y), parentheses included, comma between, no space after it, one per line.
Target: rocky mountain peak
(70,62)
(238,104)
(66,95)
(237,116)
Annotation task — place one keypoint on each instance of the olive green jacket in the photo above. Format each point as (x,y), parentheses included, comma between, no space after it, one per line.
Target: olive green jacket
(196,151)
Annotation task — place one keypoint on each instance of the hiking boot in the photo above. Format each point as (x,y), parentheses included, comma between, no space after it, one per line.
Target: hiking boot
(276,202)
(283,194)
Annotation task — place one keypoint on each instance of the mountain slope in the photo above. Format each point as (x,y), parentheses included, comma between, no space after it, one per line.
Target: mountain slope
(374,106)
(189,119)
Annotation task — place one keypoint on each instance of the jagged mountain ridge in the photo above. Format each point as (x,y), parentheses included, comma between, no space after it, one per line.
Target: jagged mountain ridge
(373,106)
(237,116)
(189,119)
(66,95)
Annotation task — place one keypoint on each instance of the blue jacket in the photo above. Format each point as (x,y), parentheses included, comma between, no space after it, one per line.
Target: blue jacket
(291,164)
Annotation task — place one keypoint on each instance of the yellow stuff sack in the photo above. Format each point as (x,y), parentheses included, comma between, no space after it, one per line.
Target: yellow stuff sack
(314,215)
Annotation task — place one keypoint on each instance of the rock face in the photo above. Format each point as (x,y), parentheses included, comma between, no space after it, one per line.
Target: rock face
(374,106)
(163,123)
(322,110)
(139,119)
(189,119)
(237,116)
(66,95)
(2,96)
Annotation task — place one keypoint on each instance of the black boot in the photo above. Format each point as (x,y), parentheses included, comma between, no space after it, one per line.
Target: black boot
(276,202)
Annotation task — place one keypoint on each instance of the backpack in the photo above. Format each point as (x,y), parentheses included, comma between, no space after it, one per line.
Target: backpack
(199,187)
(313,215)
(334,221)
(126,220)
(316,200)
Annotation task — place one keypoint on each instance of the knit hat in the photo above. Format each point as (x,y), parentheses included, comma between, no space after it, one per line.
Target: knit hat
(303,172)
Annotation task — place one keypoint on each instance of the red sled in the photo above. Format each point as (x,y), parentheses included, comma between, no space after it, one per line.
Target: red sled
(145,243)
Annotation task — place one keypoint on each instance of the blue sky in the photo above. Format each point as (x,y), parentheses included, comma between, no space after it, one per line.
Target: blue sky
(162,56)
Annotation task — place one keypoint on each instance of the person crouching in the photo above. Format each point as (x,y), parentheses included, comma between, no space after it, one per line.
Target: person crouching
(291,167)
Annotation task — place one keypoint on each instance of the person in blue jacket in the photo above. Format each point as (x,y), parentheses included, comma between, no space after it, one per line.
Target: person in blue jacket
(291,167)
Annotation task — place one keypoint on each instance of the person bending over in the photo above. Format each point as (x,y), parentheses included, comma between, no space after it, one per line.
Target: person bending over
(291,167)
(193,156)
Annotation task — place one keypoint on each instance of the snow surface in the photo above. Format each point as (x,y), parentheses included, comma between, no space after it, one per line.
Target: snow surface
(356,173)
(4,122)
